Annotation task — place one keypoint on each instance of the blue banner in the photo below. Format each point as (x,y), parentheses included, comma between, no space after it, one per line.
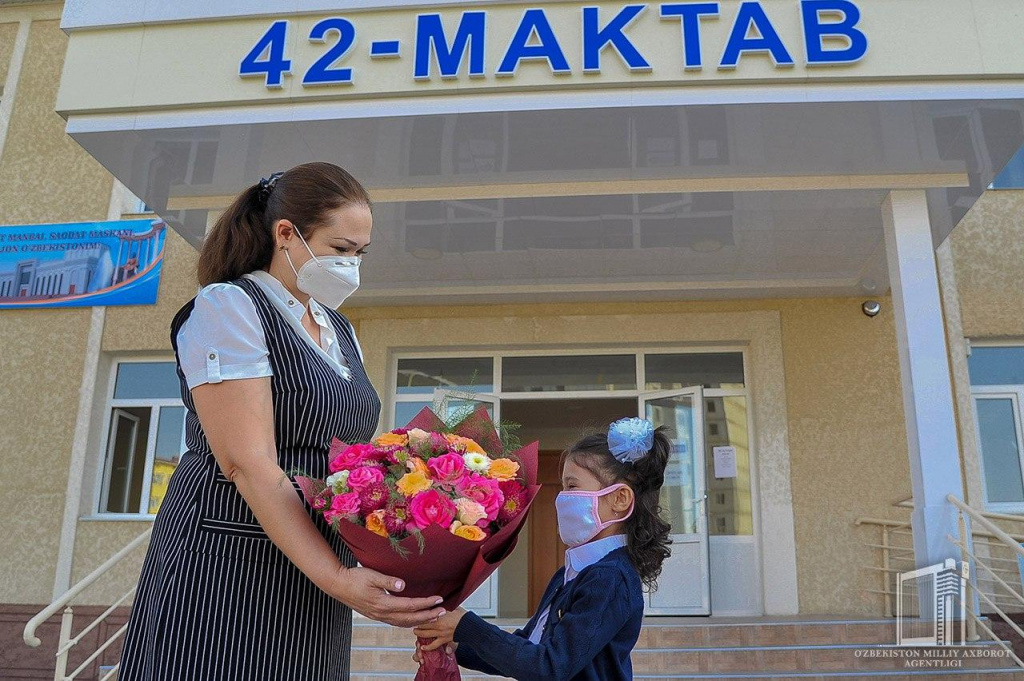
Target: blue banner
(81,264)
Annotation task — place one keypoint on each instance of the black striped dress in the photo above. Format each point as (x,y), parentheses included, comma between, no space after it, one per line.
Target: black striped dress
(217,600)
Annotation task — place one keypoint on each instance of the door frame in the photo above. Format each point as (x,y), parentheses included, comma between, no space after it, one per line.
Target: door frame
(639,351)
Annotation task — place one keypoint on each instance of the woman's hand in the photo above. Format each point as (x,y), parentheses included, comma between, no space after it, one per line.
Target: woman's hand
(366,592)
(442,630)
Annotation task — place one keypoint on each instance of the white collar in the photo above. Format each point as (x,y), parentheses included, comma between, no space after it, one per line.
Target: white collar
(291,303)
(587,554)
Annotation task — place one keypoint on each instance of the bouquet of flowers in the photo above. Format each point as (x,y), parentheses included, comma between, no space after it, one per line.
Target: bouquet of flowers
(439,507)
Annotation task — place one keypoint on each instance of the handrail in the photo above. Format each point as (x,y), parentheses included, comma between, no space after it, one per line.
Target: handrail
(987,524)
(867,520)
(49,611)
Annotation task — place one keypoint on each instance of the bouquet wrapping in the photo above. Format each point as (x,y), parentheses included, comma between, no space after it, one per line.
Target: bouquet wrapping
(437,507)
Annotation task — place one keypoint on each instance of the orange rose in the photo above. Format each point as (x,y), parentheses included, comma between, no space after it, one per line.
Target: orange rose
(413,483)
(418,465)
(391,439)
(375,523)
(503,470)
(471,532)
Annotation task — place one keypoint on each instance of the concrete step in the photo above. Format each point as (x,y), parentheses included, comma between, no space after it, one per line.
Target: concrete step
(751,648)
(995,674)
(698,632)
(1000,674)
(739,659)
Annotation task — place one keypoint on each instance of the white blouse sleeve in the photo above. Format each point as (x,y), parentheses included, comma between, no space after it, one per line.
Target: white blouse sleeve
(222,338)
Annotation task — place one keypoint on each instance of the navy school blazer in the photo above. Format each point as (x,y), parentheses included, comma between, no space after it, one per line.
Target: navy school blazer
(593,626)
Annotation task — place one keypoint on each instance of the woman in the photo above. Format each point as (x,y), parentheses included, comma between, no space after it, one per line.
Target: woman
(241,581)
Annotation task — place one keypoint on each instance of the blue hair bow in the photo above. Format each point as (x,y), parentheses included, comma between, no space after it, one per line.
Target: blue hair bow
(630,439)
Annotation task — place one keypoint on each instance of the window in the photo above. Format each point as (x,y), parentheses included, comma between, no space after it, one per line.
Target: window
(997,388)
(145,436)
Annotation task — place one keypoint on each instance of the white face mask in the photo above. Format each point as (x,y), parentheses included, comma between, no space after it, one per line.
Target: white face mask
(329,280)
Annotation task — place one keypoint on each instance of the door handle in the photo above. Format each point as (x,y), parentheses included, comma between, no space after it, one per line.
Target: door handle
(699,500)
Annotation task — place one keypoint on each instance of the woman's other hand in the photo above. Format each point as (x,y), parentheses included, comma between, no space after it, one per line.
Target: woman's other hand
(442,630)
(367,592)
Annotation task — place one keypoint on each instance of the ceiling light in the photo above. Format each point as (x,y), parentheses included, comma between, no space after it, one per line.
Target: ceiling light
(706,245)
(427,253)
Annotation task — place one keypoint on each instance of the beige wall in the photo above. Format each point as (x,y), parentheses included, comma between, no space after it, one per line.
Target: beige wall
(44,177)
(988,253)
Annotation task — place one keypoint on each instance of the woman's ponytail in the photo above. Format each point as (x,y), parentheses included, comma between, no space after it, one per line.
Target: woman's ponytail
(239,242)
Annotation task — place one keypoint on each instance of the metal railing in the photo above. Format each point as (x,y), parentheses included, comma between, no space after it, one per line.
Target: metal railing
(63,604)
(992,556)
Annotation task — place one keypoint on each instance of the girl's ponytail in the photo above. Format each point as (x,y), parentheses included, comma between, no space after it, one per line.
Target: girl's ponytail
(648,534)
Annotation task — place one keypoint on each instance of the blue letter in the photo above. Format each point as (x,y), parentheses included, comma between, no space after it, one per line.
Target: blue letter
(814,31)
(595,39)
(534,20)
(691,13)
(429,31)
(767,40)
(274,66)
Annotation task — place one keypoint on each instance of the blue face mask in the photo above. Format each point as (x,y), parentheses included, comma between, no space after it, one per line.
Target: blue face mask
(578,517)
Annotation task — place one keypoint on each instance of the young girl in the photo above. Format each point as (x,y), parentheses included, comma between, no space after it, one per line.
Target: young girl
(590,615)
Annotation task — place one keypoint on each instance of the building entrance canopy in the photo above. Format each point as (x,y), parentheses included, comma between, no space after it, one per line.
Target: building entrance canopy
(580,150)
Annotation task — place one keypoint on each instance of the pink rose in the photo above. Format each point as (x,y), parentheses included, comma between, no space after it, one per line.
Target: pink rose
(431,508)
(482,490)
(350,457)
(470,512)
(364,476)
(343,505)
(447,469)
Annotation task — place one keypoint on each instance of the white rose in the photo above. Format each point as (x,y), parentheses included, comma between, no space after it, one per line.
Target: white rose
(338,481)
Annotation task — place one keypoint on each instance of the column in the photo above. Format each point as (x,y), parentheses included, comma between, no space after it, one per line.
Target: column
(924,370)
(117,262)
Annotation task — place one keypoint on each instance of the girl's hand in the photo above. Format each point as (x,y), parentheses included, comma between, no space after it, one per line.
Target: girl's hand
(442,630)
(418,658)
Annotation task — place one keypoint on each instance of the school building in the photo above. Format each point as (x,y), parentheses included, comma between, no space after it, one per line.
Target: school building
(791,230)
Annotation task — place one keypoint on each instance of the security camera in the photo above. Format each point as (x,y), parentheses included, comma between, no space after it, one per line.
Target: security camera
(871,307)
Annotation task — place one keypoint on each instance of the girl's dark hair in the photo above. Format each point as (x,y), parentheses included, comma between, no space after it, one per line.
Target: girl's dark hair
(647,533)
(241,240)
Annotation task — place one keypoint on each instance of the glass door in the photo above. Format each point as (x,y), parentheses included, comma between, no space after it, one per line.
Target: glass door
(685,584)
(448,403)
